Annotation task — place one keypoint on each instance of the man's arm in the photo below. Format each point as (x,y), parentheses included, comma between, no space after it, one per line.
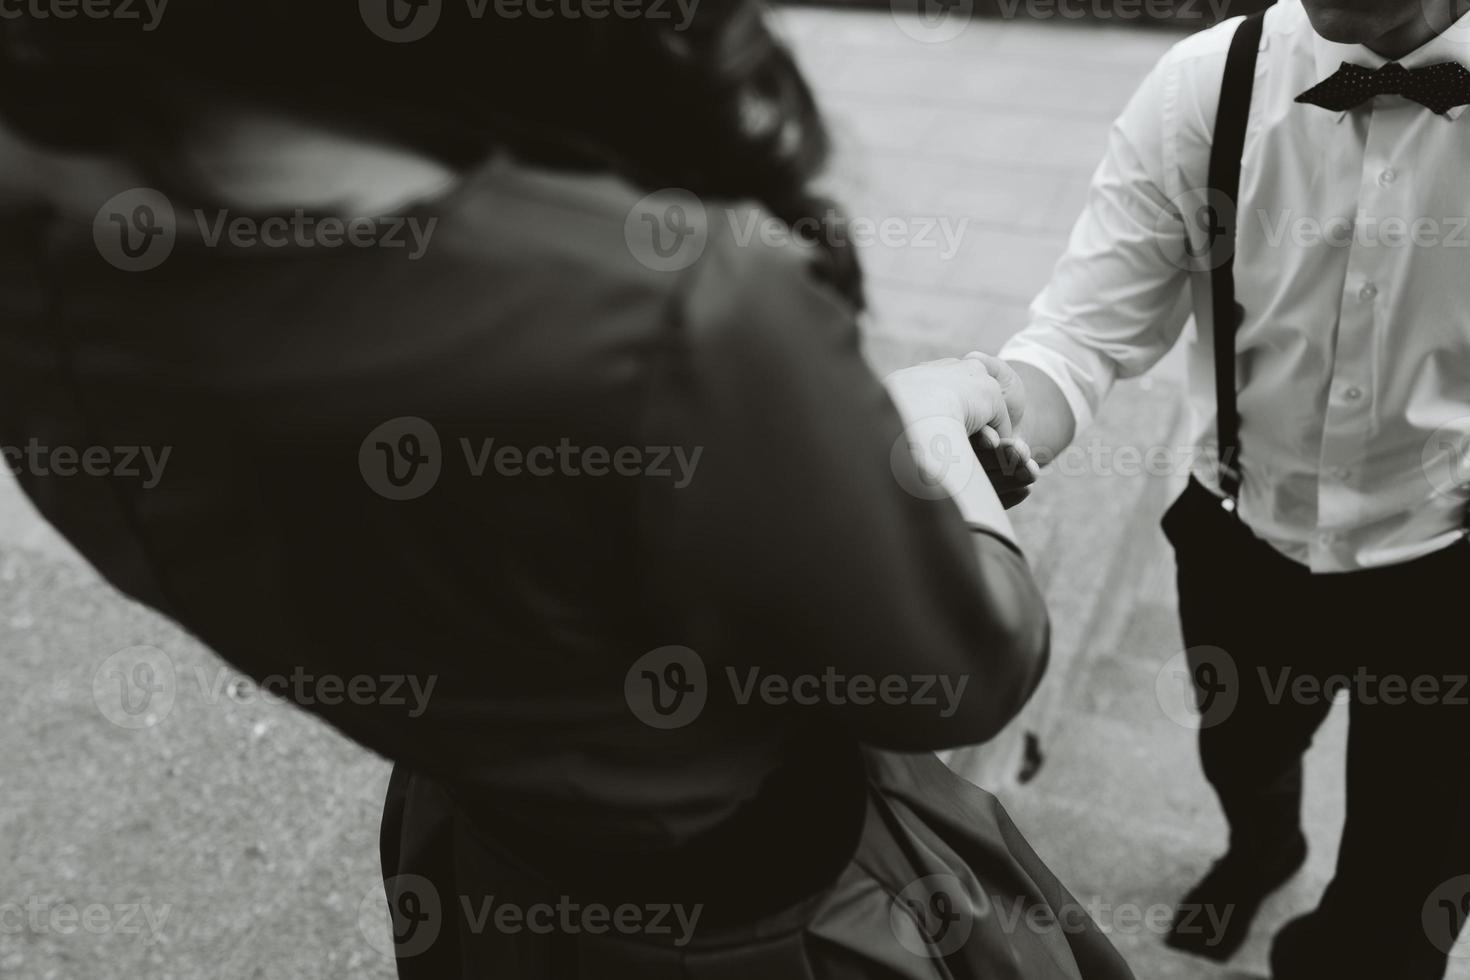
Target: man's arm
(1118,298)
(1048,426)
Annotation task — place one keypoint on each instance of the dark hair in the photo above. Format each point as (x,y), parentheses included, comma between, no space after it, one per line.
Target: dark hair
(712,103)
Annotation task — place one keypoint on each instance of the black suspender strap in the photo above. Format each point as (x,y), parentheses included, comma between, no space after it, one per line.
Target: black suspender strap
(1224,186)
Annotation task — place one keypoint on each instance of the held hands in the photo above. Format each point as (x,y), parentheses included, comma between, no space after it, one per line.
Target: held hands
(985,396)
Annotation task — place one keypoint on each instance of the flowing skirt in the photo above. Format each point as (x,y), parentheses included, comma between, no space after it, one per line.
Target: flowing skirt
(941,885)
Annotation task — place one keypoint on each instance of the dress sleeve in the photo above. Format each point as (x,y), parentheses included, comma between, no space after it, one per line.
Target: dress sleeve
(802,541)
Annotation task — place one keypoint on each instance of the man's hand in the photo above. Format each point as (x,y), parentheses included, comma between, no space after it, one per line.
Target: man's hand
(1006,457)
(984,395)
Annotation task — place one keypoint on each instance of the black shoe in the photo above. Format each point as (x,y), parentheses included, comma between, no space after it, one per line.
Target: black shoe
(1215,918)
(1292,952)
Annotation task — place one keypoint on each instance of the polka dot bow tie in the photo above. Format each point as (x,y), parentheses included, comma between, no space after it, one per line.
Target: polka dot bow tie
(1438,88)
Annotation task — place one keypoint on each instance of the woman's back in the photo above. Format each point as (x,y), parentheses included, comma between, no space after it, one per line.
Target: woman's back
(608,545)
(375,458)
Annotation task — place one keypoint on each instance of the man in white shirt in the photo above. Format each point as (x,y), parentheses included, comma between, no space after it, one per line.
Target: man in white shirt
(1343,553)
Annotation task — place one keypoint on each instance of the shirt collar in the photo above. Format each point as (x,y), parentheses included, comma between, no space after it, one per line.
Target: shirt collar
(1451,45)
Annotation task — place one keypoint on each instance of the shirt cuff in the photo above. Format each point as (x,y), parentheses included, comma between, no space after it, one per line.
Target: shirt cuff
(1059,369)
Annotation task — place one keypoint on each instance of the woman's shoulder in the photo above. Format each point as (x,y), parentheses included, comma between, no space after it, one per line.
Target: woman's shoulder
(706,262)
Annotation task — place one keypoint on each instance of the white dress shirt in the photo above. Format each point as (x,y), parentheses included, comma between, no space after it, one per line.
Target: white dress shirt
(1353,265)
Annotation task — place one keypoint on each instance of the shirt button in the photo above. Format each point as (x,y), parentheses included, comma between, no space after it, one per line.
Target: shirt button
(1353,393)
(1368,292)
(1388,177)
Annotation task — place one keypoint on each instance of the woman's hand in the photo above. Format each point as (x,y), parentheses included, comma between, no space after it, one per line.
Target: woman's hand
(960,388)
(981,394)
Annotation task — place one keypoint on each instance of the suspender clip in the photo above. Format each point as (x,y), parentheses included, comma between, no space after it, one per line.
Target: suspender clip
(1230,478)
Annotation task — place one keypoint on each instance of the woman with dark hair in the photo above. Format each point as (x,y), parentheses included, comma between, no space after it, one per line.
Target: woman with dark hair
(454,461)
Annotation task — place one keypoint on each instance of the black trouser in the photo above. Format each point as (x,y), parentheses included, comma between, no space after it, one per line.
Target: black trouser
(1398,639)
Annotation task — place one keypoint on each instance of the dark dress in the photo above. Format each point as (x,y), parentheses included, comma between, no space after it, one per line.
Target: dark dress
(280,380)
